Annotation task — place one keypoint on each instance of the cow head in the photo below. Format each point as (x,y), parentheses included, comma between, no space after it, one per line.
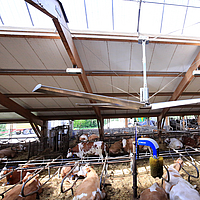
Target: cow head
(178,164)
(19,148)
(69,153)
(167,140)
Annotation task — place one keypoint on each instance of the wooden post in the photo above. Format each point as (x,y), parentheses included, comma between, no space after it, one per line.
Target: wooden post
(183,118)
(126,122)
(167,121)
(198,121)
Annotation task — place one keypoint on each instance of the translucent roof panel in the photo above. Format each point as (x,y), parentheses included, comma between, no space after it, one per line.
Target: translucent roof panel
(125,15)
(18,13)
(168,17)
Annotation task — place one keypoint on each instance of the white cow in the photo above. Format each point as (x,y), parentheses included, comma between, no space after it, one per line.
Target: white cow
(178,188)
(174,143)
(83,149)
(183,190)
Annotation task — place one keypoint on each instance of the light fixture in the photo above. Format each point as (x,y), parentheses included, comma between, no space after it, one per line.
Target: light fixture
(196,73)
(74,70)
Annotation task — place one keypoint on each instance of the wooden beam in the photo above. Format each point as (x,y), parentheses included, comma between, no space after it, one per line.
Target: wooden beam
(95,36)
(182,85)
(55,10)
(14,107)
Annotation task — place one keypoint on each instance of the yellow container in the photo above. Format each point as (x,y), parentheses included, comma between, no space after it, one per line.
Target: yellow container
(156,166)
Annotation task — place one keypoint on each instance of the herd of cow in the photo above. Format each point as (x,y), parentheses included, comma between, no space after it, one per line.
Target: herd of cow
(176,189)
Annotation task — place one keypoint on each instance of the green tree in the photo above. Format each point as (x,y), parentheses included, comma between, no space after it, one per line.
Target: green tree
(88,123)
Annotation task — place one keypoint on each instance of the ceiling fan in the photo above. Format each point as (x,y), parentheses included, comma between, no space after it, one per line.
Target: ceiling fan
(118,102)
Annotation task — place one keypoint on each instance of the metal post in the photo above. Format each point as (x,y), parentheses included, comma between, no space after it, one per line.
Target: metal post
(134,164)
(144,64)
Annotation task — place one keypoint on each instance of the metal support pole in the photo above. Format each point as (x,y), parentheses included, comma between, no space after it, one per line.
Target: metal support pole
(134,165)
(144,65)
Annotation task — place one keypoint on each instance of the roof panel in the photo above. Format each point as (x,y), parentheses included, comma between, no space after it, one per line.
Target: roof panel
(119,55)
(151,20)
(15,13)
(173,23)
(193,85)
(93,54)
(75,12)
(39,19)
(99,14)
(125,16)
(101,84)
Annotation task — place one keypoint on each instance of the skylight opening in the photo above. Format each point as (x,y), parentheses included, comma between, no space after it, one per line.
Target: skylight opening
(156,17)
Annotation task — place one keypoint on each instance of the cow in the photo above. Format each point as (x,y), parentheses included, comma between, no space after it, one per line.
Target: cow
(183,190)
(197,139)
(77,171)
(173,143)
(83,137)
(15,175)
(10,152)
(90,187)
(116,148)
(155,192)
(83,149)
(30,186)
(174,175)
(124,146)
(93,137)
(188,141)
(177,187)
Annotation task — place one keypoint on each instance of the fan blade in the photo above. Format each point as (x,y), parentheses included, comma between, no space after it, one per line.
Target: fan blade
(174,103)
(94,104)
(116,102)
(106,105)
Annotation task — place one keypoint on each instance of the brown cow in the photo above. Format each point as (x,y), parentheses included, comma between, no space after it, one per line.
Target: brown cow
(90,187)
(188,141)
(93,137)
(155,192)
(30,186)
(116,148)
(15,176)
(124,146)
(10,152)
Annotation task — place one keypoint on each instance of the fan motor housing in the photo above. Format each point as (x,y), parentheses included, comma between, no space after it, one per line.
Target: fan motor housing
(144,95)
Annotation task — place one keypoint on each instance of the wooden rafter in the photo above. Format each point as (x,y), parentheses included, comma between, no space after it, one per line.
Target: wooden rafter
(182,85)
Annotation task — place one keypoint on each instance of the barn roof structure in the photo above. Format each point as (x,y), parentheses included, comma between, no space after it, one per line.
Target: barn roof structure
(101,37)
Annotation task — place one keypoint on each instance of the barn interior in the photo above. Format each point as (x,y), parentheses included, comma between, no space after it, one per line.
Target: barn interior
(115,51)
